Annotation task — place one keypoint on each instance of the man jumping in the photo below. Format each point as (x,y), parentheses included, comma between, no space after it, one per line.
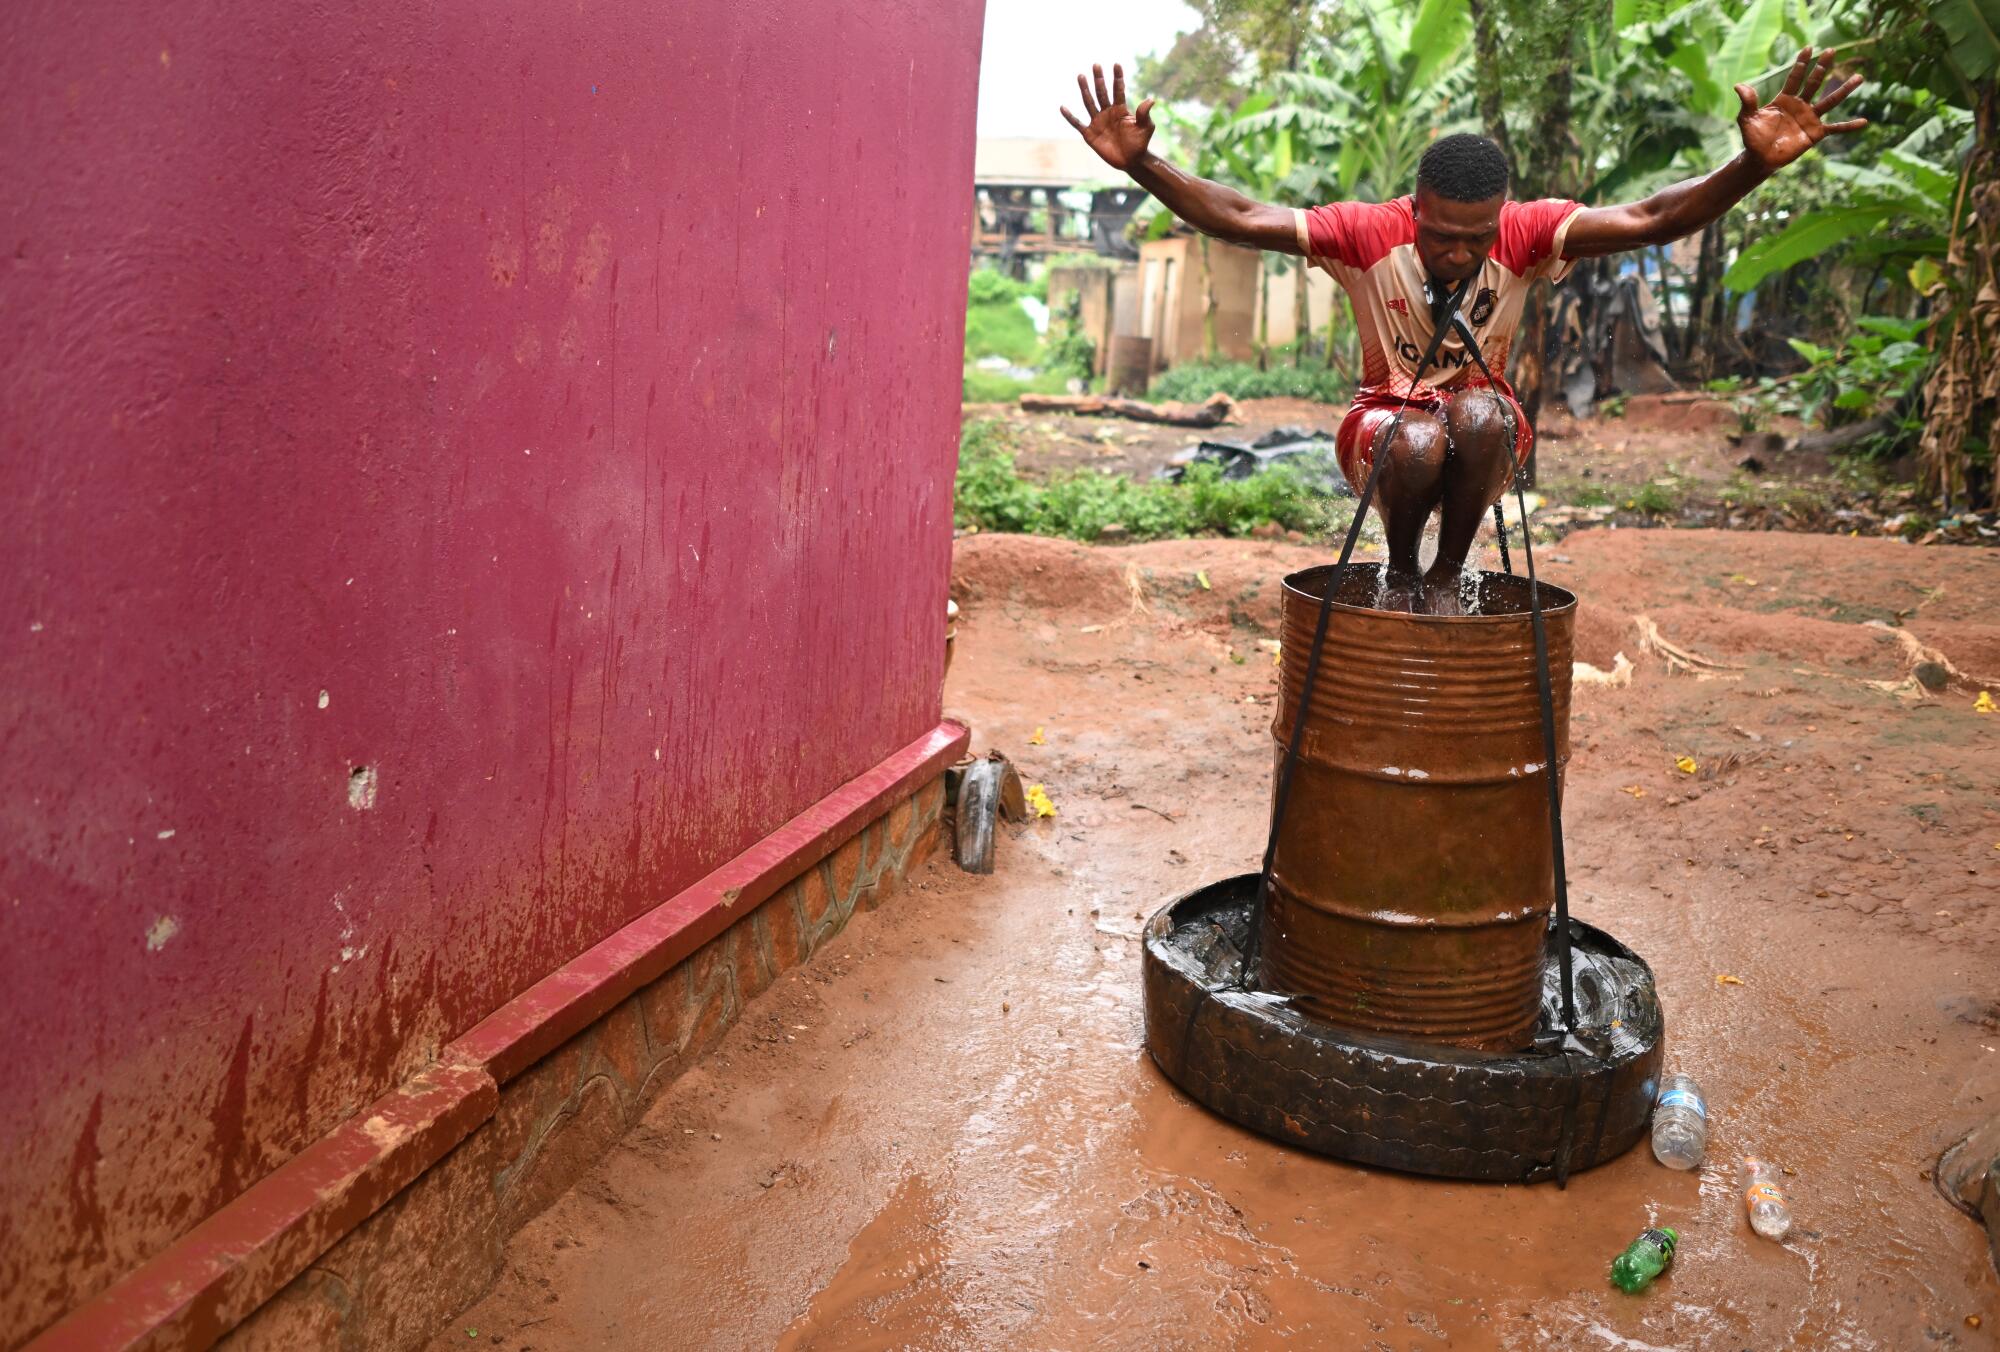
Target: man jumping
(1462,438)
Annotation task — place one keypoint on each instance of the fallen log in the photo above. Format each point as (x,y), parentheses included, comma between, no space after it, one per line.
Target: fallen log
(1211,412)
(1841,438)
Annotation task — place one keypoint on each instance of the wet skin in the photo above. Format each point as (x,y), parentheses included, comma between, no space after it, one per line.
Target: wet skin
(1457,464)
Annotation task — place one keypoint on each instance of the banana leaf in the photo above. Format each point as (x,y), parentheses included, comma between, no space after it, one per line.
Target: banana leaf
(1972,28)
(1805,237)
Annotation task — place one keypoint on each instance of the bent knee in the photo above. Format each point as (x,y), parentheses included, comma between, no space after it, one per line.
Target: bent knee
(1419,441)
(1478,419)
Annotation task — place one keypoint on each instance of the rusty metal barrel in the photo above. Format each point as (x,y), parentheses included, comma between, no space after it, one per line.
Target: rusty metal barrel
(1412,880)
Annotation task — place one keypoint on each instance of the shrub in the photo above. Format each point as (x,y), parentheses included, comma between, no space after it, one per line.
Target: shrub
(1195,381)
(1070,350)
(989,286)
(991,495)
(1876,371)
(995,323)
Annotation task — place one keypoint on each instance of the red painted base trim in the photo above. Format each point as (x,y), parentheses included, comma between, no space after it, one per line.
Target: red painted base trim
(210,1279)
(585,989)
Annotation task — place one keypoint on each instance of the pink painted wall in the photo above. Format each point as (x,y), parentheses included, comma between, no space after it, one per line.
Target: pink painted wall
(550,407)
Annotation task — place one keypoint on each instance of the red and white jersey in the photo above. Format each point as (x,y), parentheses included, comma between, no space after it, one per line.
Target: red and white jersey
(1371,250)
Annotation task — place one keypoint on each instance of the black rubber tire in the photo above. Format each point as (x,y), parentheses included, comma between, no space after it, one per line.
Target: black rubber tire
(988,789)
(1391,1103)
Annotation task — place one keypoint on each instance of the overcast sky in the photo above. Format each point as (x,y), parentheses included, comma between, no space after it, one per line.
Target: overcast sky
(1034,49)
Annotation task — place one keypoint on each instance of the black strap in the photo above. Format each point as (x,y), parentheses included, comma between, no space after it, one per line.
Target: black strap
(1545,695)
(1544,688)
(1568,1141)
(1282,798)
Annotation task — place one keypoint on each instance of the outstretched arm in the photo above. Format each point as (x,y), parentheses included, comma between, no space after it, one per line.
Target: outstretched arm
(1773,136)
(1121,137)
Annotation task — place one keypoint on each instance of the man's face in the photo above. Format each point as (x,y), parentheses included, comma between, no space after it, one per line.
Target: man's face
(1453,238)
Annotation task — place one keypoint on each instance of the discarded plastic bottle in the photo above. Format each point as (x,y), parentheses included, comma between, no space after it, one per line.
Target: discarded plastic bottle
(1764,1199)
(1680,1123)
(1644,1259)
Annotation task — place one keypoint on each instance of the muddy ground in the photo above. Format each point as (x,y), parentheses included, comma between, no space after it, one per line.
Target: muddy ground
(943,1132)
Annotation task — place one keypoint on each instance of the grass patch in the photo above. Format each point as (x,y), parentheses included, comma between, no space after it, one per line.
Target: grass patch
(1001,331)
(1654,499)
(992,495)
(995,323)
(992,387)
(1195,381)
(1800,501)
(1580,495)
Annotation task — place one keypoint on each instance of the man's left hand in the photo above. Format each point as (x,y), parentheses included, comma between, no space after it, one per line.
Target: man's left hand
(1789,125)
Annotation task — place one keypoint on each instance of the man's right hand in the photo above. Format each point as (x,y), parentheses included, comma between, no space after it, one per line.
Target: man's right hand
(1121,137)
(1118,134)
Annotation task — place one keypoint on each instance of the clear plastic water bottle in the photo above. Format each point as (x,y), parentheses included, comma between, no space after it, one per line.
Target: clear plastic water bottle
(1764,1199)
(1680,1123)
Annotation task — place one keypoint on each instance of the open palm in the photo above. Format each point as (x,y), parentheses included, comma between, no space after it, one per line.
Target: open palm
(1780,131)
(1119,135)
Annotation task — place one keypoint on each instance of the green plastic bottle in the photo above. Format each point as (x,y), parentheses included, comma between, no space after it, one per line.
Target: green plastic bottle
(1646,1258)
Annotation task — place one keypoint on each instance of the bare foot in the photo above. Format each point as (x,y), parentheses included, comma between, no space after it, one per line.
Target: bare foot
(1401,592)
(1441,593)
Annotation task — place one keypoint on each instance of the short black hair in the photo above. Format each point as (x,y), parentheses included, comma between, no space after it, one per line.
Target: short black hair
(1463,167)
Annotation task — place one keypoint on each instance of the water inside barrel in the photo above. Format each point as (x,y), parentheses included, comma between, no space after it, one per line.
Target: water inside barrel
(1485,595)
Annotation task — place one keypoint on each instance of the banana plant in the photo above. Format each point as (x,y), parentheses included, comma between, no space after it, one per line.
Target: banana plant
(1715,48)
(1972,30)
(1899,208)
(1211,155)
(1260,144)
(1355,120)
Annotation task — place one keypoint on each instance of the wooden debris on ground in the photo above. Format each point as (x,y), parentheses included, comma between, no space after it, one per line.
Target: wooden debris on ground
(1211,412)
(1583,673)
(1681,660)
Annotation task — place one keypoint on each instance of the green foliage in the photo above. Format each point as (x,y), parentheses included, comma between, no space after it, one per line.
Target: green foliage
(1001,331)
(997,387)
(1236,44)
(1195,381)
(995,323)
(1806,237)
(1874,372)
(1745,51)
(1353,118)
(1972,31)
(991,495)
(1071,351)
(1654,499)
(1896,209)
(990,286)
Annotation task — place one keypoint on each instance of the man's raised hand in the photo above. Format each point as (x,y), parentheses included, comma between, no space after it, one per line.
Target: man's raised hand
(1789,125)
(1119,135)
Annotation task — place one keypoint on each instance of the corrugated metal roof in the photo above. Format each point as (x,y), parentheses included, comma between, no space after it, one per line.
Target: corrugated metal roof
(1055,160)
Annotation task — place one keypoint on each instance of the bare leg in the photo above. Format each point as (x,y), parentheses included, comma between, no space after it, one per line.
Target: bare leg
(1480,429)
(1406,493)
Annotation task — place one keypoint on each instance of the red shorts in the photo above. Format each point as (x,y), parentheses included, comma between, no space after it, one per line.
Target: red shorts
(1374,408)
